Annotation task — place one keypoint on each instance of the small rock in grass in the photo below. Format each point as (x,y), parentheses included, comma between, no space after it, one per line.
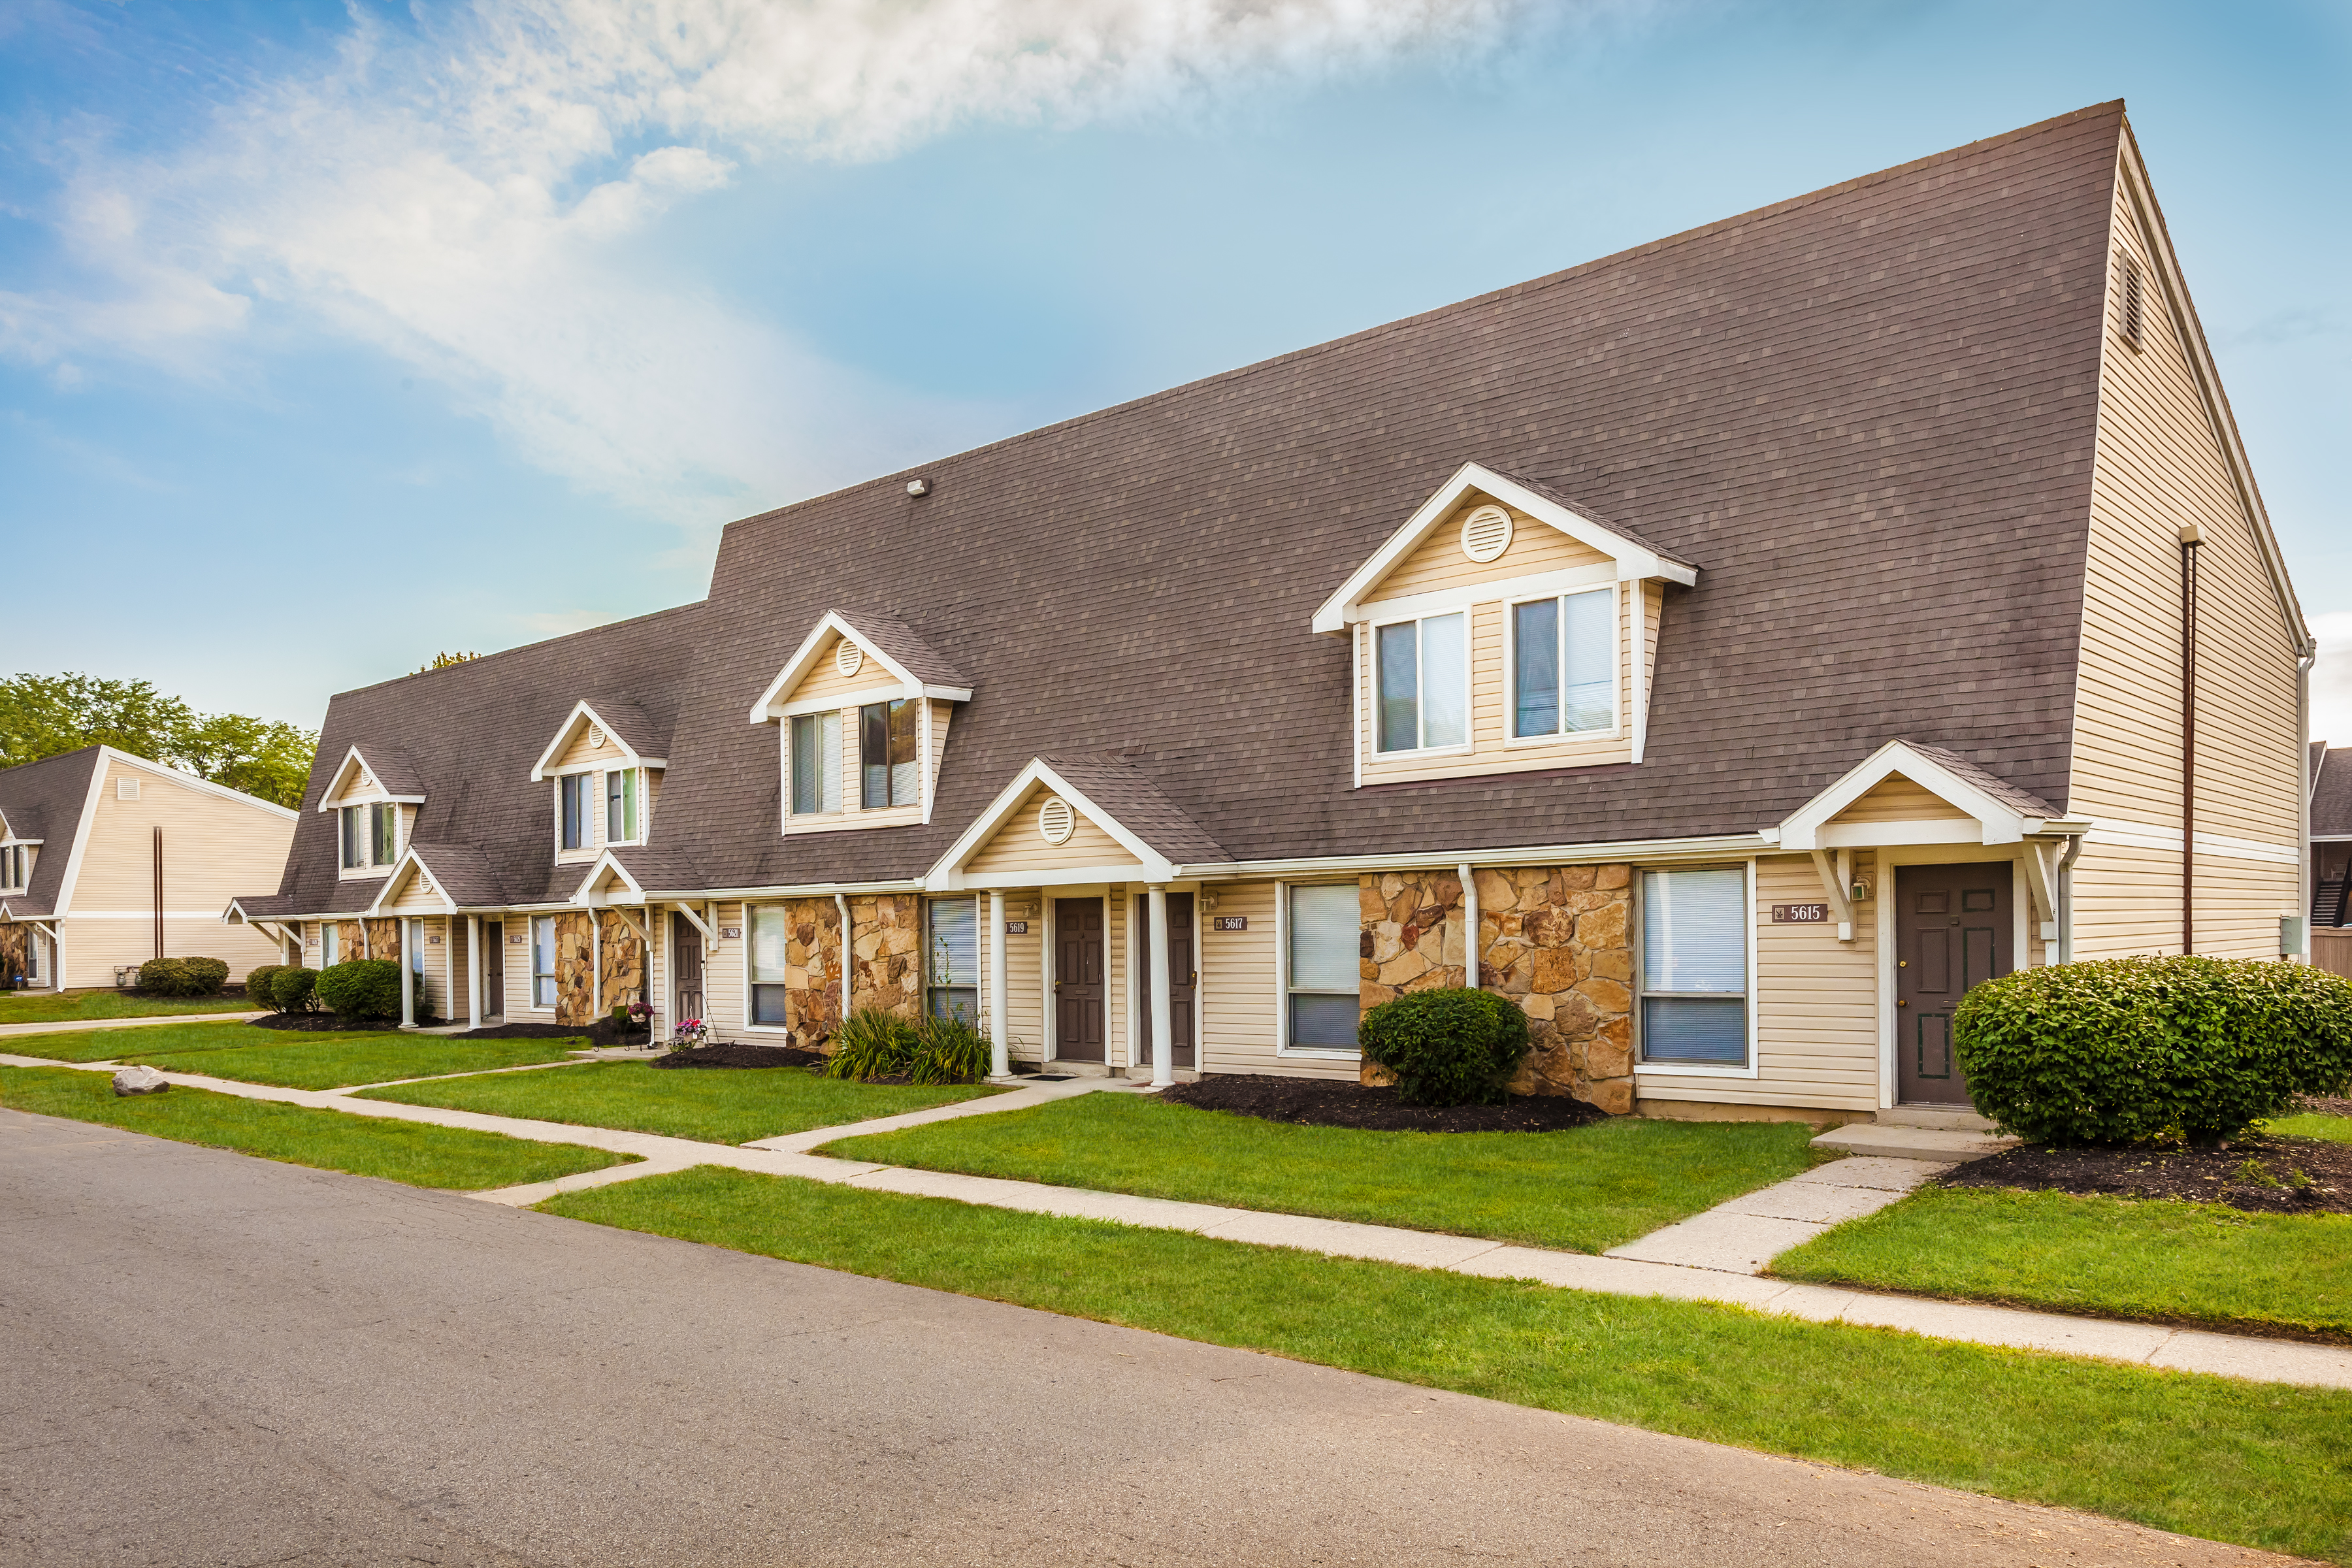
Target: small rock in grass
(140,1081)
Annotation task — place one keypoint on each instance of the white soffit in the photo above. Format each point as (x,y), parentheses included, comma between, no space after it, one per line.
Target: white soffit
(1995,821)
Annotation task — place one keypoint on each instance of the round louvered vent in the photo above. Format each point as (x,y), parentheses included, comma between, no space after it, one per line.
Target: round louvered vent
(423,884)
(595,737)
(1056,821)
(1486,532)
(847,656)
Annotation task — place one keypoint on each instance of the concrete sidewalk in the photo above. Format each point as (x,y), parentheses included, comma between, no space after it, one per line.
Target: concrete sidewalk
(67,1025)
(1704,1258)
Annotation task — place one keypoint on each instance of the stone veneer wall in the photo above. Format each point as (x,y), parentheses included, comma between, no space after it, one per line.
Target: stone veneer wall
(575,977)
(15,949)
(1559,942)
(383,939)
(621,961)
(350,939)
(1555,941)
(889,948)
(812,970)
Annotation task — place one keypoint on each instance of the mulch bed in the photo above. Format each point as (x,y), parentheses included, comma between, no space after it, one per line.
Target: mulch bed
(2262,1176)
(722,1054)
(325,1023)
(523,1032)
(1319,1102)
(2327,1105)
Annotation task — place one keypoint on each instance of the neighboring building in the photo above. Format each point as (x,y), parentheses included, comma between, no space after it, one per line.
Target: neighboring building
(1753,637)
(107,860)
(2331,857)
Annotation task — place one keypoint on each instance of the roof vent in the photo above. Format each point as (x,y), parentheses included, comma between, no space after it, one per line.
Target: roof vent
(1486,533)
(848,658)
(595,736)
(126,789)
(2135,304)
(1056,821)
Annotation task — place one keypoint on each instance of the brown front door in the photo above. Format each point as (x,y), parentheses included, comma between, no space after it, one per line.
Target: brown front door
(1184,975)
(494,970)
(1953,927)
(686,960)
(1078,979)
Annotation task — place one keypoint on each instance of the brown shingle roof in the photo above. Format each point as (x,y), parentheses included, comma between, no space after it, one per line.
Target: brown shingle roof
(2331,797)
(1136,804)
(49,795)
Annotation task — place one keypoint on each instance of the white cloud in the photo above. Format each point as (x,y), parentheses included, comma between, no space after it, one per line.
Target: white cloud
(453,199)
(2331,679)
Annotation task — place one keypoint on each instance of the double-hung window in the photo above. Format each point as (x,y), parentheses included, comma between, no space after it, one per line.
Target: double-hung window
(542,955)
(354,833)
(330,944)
(621,806)
(12,867)
(888,740)
(1323,967)
(816,763)
(572,791)
(951,966)
(384,833)
(1695,968)
(1564,664)
(1422,668)
(771,940)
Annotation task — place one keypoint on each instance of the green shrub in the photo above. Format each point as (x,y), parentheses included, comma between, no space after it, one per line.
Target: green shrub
(1446,1047)
(183,977)
(257,984)
(292,989)
(871,1043)
(950,1050)
(361,988)
(2138,1050)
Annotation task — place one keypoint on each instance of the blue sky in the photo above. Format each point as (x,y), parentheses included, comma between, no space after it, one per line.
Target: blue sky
(332,336)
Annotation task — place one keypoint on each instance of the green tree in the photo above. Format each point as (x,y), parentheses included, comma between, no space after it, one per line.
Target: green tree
(43,715)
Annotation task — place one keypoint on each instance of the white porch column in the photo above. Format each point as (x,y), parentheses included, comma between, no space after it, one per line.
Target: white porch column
(407,973)
(1470,924)
(473,972)
(999,1048)
(1164,1060)
(596,964)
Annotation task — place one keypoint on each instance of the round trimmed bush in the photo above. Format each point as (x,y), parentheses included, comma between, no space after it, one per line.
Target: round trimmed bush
(1451,1047)
(183,977)
(257,984)
(2138,1050)
(361,988)
(292,987)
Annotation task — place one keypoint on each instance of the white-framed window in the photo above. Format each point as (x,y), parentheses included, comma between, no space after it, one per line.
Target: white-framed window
(574,801)
(1564,664)
(353,835)
(383,835)
(411,937)
(816,763)
(621,806)
(1421,673)
(329,944)
(33,945)
(771,939)
(15,868)
(1694,969)
(1322,938)
(889,736)
(543,954)
(951,958)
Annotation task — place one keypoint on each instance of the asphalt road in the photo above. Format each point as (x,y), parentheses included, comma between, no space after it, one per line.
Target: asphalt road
(216,1360)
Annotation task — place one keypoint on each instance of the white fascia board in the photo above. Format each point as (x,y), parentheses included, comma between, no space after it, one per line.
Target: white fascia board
(1891,835)
(187,780)
(333,800)
(402,871)
(582,713)
(683,896)
(804,659)
(1994,822)
(946,874)
(1062,877)
(1634,561)
(585,893)
(1533,585)
(1722,847)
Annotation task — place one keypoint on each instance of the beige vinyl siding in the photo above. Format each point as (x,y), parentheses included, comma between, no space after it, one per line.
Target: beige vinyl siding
(515,967)
(1024,989)
(1119,1041)
(1438,563)
(1018,849)
(579,751)
(1816,1001)
(1654,606)
(1241,993)
(435,994)
(2160,463)
(942,713)
(724,996)
(417,899)
(213,850)
(823,682)
(1897,799)
(1491,749)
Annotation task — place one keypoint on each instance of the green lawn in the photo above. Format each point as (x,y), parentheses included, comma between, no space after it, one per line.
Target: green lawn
(2335,1129)
(49,1007)
(1586,1189)
(154,1039)
(716,1105)
(407,1152)
(333,1062)
(2262,1464)
(2117,1257)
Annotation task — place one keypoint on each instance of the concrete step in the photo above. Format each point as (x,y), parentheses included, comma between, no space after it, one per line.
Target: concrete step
(1939,1144)
(1946,1118)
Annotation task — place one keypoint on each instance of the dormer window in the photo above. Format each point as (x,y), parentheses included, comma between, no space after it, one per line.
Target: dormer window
(816,763)
(1424,681)
(1564,664)
(370,835)
(887,748)
(15,868)
(866,707)
(621,806)
(572,791)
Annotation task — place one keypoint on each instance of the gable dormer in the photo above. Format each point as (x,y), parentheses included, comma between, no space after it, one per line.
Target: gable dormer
(19,845)
(375,806)
(862,711)
(604,765)
(1501,629)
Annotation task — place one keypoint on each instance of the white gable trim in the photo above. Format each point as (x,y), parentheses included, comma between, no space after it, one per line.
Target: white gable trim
(770,703)
(1995,820)
(402,871)
(587,895)
(582,713)
(945,876)
(333,800)
(1634,561)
